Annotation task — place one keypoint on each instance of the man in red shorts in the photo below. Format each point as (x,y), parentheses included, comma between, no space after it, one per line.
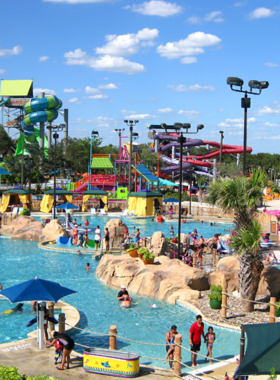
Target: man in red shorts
(196,330)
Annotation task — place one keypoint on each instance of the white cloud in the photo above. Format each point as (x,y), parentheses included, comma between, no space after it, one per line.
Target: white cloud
(266,110)
(188,60)
(98,96)
(127,44)
(194,20)
(128,112)
(91,90)
(238,4)
(192,45)
(73,100)
(8,52)
(193,88)
(43,58)
(78,1)
(69,90)
(2,71)
(109,86)
(267,124)
(165,110)
(237,123)
(214,16)
(156,8)
(144,116)
(104,63)
(47,91)
(261,13)
(271,64)
(189,114)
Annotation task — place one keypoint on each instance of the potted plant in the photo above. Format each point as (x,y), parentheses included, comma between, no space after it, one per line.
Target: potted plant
(148,258)
(215,301)
(216,289)
(277,309)
(132,250)
(141,252)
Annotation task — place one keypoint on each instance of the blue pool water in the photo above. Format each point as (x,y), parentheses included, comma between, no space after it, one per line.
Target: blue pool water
(97,304)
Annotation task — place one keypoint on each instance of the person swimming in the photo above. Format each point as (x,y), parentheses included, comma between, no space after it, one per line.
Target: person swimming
(16,308)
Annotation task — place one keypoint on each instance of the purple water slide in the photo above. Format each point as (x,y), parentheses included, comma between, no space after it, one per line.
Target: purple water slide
(187,144)
(176,168)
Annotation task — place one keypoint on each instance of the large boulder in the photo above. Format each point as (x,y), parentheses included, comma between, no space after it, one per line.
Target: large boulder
(27,228)
(159,246)
(166,280)
(270,282)
(116,229)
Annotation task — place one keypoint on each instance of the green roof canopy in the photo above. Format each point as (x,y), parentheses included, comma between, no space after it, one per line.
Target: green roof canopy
(17,88)
(16,191)
(95,192)
(101,163)
(262,352)
(58,192)
(146,194)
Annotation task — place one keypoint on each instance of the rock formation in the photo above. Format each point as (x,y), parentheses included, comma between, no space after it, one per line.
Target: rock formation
(116,229)
(27,228)
(166,280)
(159,245)
(227,276)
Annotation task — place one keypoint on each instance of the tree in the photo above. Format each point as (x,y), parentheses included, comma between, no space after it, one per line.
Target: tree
(6,143)
(242,196)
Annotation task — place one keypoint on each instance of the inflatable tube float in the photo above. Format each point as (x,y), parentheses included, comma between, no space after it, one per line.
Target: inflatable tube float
(16,308)
(34,320)
(125,304)
(61,240)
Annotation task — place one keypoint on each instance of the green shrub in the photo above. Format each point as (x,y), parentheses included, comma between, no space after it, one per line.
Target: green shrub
(142,251)
(131,247)
(11,373)
(25,212)
(277,305)
(215,297)
(216,288)
(148,256)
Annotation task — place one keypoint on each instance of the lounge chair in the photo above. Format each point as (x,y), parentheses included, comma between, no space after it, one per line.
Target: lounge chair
(15,211)
(93,211)
(125,212)
(132,213)
(102,212)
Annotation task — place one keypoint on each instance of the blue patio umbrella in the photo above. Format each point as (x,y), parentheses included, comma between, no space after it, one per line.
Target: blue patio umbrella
(170,200)
(4,172)
(36,290)
(67,206)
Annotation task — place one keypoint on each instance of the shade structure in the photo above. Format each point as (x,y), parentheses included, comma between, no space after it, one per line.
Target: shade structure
(144,203)
(145,194)
(4,172)
(36,290)
(262,352)
(67,206)
(58,192)
(273,212)
(95,192)
(17,191)
(171,200)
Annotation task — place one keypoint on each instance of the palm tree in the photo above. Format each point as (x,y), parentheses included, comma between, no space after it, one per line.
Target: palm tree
(241,195)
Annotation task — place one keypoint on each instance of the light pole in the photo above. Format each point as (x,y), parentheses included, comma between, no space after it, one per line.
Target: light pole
(131,124)
(94,135)
(221,147)
(120,131)
(246,103)
(55,129)
(181,140)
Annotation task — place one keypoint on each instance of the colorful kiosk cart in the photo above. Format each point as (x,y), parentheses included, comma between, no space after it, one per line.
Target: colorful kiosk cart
(111,362)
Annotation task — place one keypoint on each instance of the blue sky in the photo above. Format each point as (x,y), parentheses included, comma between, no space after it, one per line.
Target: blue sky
(155,61)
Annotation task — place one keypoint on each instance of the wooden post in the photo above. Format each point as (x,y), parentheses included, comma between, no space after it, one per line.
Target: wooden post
(177,354)
(272,310)
(242,345)
(61,323)
(214,257)
(194,259)
(113,337)
(224,305)
(51,309)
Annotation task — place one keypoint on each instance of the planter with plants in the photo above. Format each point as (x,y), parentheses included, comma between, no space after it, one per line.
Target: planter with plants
(216,289)
(148,258)
(141,252)
(277,309)
(132,250)
(215,301)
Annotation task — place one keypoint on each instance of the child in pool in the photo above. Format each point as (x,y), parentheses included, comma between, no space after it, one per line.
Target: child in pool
(87,268)
(171,230)
(172,345)
(210,337)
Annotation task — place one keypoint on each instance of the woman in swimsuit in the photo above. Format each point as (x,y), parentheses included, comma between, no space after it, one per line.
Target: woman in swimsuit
(68,344)
(210,337)
(107,239)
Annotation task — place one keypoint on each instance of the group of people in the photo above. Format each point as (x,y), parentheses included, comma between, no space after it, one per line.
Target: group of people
(195,333)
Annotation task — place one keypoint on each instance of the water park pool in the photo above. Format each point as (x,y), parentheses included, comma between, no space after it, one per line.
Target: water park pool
(97,304)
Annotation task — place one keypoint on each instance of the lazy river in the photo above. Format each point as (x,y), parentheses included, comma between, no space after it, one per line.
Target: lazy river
(97,304)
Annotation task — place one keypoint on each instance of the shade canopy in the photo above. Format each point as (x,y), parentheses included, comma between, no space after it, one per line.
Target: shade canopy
(17,191)
(165,182)
(58,192)
(273,212)
(4,172)
(36,290)
(145,194)
(171,200)
(67,206)
(95,192)
(101,163)
(262,352)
